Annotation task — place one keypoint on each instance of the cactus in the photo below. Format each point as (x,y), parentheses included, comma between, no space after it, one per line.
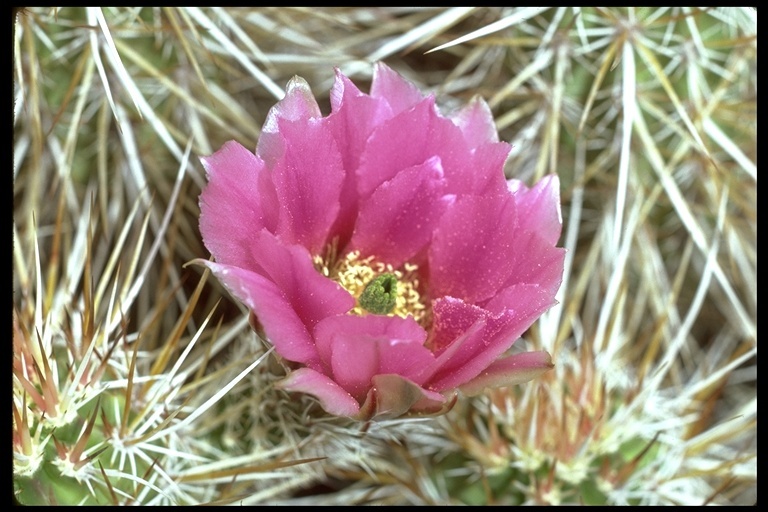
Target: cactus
(138,380)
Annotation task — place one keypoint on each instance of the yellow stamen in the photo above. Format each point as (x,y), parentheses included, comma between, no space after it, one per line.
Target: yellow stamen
(354,272)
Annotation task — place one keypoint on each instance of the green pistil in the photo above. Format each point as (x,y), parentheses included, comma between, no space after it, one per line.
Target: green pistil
(380,294)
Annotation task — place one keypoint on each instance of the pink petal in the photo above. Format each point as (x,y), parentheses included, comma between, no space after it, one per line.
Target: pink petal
(281,324)
(354,116)
(358,347)
(540,207)
(467,338)
(239,187)
(454,319)
(298,104)
(525,301)
(353,363)
(308,181)
(311,295)
(342,89)
(536,261)
(509,371)
(397,144)
(476,122)
(470,253)
(397,221)
(487,176)
(393,395)
(332,397)
(389,85)
(411,138)
(417,134)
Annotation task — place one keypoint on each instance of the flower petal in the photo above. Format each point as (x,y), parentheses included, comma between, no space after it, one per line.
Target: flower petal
(526,301)
(312,295)
(399,143)
(298,104)
(332,397)
(308,181)
(420,133)
(536,262)
(239,187)
(487,176)
(355,348)
(540,207)
(354,116)
(393,395)
(275,312)
(509,371)
(390,86)
(397,221)
(470,251)
(467,338)
(476,122)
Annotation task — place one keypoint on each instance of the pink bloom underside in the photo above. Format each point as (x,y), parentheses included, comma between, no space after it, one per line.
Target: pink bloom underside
(353,349)
(372,361)
(390,395)
(357,351)
(333,398)
(509,371)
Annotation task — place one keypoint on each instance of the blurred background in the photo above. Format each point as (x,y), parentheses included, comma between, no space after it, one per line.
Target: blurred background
(137,380)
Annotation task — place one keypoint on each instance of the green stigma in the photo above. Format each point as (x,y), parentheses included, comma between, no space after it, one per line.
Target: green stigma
(379,295)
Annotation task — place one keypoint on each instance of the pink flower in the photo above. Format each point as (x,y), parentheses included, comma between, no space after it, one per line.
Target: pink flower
(381,249)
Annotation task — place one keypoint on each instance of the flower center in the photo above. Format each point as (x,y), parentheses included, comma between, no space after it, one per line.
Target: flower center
(380,294)
(378,287)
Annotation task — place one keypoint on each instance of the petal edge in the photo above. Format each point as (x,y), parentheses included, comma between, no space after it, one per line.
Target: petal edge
(332,397)
(509,371)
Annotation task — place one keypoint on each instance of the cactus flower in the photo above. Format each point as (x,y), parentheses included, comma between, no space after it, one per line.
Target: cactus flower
(381,249)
